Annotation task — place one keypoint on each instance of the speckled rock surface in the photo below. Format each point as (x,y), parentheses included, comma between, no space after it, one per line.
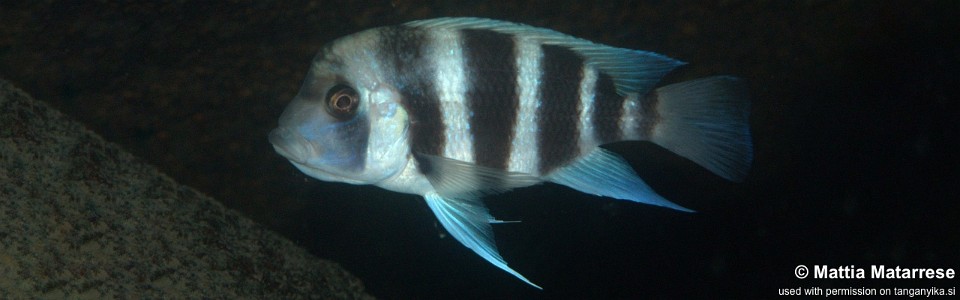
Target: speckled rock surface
(81,218)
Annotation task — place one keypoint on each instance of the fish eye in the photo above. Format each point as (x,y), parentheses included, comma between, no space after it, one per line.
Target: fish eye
(342,101)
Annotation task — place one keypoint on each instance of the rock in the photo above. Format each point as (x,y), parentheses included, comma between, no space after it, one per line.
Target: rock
(82,218)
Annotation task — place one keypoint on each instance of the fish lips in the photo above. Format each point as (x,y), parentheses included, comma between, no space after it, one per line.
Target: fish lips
(283,142)
(306,156)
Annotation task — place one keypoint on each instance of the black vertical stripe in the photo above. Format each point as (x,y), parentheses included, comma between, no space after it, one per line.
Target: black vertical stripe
(559,111)
(607,109)
(491,94)
(413,74)
(353,136)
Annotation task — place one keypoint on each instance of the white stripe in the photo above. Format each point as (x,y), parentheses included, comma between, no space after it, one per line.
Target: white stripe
(628,121)
(523,152)
(450,87)
(587,141)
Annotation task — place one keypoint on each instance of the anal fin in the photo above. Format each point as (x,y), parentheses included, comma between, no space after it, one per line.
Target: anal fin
(606,174)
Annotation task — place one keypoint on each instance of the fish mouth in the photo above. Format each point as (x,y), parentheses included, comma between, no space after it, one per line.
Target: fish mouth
(297,149)
(277,138)
(303,154)
(284,142)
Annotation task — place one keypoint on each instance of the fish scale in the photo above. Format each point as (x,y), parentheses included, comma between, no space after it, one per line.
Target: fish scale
(453,109)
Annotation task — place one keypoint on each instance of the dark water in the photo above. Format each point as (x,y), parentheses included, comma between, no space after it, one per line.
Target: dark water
(854,120)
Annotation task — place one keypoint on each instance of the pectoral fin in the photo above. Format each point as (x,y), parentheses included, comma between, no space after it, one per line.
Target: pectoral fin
(468,221)
(459,179)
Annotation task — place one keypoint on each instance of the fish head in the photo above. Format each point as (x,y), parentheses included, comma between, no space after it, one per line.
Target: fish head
(346,123)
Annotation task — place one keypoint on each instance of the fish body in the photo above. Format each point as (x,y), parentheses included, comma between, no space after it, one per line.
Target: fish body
(456,108)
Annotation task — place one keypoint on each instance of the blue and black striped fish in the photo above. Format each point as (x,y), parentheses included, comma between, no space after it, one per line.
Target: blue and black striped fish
(456,108)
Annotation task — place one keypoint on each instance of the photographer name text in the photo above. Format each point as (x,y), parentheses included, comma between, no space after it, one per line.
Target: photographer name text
(880,272)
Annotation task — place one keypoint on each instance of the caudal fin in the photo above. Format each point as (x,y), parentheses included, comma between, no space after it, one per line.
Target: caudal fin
(707,121)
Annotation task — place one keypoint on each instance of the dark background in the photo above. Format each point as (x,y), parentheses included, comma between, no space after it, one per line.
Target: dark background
(854,121)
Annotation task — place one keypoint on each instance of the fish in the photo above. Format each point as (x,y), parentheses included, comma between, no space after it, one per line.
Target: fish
(455,109)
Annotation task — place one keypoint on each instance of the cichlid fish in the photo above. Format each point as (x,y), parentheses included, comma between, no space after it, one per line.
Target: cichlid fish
(456,108)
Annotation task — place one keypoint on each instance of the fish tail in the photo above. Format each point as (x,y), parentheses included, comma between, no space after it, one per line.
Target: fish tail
(705,120)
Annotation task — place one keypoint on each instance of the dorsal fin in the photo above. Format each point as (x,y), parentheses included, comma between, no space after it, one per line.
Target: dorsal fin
(633,71)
